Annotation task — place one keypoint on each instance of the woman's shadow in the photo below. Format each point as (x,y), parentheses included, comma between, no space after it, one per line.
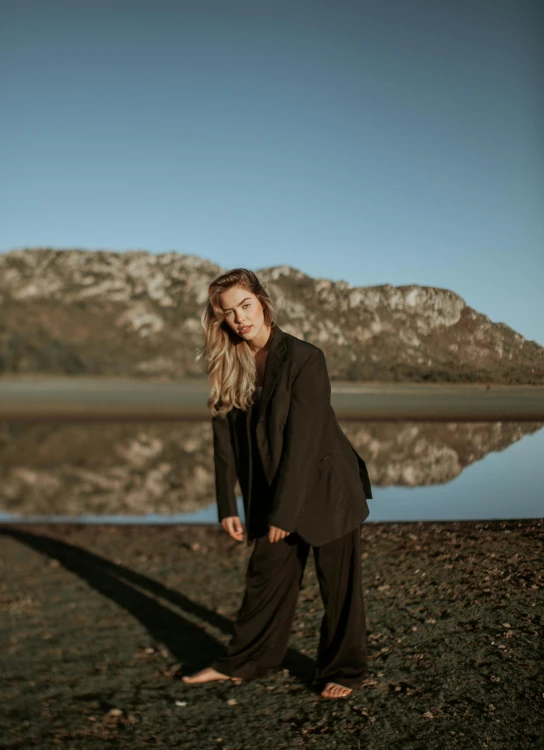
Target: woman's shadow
(185,639)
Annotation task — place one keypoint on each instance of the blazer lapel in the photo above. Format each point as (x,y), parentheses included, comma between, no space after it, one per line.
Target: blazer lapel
(275,362)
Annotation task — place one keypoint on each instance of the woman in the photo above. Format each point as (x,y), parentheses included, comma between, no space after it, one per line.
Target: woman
(302,482)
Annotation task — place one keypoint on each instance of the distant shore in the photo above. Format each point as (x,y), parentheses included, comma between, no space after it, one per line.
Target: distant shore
(99,622)
(85,398)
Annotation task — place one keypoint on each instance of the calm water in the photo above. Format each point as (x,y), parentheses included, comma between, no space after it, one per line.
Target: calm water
(504,485)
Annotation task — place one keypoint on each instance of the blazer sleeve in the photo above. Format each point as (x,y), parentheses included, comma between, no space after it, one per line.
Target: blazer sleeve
(308,411)
(225,468)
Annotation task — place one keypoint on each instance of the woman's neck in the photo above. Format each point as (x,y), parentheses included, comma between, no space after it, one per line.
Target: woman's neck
(265,340)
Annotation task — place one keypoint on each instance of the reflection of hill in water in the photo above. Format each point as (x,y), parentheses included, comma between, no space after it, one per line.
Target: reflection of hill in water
(415,454)
(133,469)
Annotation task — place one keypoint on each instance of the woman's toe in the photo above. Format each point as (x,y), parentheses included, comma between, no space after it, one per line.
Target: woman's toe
(205,675)
(334,690)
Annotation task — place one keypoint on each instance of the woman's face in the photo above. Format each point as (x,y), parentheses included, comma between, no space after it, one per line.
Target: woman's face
(243,312)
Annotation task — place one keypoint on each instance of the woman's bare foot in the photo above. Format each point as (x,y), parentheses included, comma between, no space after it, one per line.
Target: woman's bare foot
(334,690)
(207,675)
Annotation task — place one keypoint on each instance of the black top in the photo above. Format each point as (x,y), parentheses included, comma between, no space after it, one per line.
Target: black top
(260,495)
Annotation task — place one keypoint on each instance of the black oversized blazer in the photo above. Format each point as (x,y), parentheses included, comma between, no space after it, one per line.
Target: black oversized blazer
(319,483)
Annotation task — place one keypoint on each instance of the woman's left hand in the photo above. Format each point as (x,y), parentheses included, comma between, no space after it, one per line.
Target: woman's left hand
(275,534)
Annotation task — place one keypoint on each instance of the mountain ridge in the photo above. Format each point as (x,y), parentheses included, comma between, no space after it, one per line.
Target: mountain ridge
(137,314)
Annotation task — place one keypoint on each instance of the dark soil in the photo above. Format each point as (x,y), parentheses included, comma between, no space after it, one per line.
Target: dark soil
(99,623)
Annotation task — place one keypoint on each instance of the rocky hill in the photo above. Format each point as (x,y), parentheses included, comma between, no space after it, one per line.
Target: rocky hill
(137,314)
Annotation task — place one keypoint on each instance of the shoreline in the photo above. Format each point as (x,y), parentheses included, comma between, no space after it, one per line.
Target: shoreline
(202,380)
(100,622)
(102,399)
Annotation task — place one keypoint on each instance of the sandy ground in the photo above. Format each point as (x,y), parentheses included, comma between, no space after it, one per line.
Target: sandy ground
(98,623)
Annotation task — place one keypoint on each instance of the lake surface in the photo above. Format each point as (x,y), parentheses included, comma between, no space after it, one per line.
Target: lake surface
(504,484)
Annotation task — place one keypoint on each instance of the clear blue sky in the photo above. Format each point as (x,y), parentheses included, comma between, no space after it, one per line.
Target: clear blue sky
(376,142)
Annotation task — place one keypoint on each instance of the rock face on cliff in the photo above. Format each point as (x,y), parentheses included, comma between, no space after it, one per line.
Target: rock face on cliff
(138,314)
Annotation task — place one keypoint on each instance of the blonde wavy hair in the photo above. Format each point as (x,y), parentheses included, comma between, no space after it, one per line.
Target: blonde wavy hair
(229,363)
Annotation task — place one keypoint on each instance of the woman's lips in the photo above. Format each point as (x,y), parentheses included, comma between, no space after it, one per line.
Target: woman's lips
(244,330)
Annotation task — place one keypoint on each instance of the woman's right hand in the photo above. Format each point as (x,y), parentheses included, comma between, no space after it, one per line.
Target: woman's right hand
(233,527)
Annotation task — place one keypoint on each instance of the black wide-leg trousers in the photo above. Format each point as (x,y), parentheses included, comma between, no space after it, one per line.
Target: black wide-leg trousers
(263,623)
